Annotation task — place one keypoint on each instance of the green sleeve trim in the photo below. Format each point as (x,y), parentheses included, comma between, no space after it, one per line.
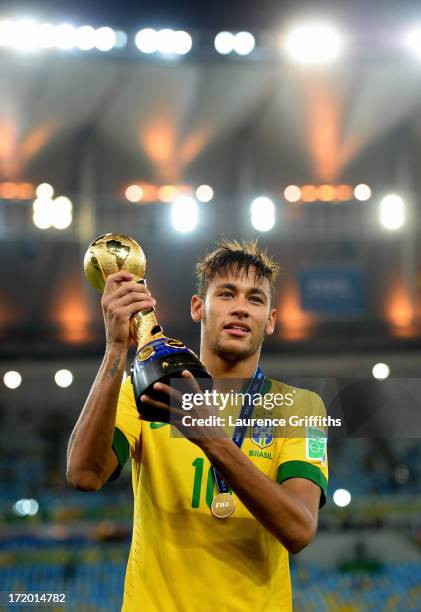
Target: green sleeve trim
(121,449)
(302,469)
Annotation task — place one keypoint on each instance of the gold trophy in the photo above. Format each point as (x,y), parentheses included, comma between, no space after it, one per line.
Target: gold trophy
(158,357)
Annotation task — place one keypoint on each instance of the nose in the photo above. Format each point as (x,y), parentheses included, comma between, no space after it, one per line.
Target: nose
(240,307)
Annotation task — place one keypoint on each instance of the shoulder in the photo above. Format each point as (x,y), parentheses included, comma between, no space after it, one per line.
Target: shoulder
(301,400)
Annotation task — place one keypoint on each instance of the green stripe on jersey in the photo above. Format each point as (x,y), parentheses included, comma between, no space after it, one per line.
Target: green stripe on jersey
(302,469)
(121,448)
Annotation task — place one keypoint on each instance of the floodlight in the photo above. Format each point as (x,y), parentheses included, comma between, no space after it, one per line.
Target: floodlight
(313,43)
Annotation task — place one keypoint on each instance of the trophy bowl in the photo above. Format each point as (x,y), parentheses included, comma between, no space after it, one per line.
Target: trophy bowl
(158,357)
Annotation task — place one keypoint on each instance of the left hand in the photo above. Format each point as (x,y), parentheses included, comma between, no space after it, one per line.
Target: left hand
(174,413)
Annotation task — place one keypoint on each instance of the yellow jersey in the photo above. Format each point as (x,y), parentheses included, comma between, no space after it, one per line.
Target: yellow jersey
(182,559)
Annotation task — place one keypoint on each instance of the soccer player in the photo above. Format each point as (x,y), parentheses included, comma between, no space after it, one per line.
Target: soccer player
(182,557)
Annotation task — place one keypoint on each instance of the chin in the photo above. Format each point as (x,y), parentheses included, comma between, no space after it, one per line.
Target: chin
(233,353)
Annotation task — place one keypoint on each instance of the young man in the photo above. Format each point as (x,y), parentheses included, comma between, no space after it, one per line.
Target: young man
(183,558)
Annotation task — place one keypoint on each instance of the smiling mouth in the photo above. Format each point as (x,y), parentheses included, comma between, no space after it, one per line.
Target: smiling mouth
(237,330)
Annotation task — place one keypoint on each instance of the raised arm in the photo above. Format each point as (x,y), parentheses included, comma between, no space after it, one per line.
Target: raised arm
(90,458)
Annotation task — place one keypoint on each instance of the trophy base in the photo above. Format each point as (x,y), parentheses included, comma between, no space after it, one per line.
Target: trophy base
(161,360)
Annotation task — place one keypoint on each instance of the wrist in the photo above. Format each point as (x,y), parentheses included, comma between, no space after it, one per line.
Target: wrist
(116,349)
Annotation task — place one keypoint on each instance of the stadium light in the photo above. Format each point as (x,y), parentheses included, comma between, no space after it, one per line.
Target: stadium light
(167,193)
(42,213)
(166,41)
(85,38)
(204,193)
(104,39)
(292,193)
(182,42)
(44,190)
(26,507)
(316,43)
(381,371)
(362,192)
(120,39)
(134,193)
(413,41)
(224,42)
(63,378)
(66,36)
(262,214)
(61,213)
(392,212)
(146,40)
(342,497)
(244,43)
(47,36)
(12,379)
(51,213)
(184,214)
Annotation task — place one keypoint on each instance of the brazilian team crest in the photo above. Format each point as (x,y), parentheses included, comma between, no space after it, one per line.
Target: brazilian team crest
(262,435)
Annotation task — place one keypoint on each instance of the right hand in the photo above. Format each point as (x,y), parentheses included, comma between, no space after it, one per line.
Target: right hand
(121,299)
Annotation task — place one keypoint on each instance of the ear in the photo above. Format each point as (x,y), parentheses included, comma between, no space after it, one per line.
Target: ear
(196,308)
(270,325)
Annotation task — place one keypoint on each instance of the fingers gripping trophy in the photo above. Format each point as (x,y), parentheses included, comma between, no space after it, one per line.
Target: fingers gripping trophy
(158,357)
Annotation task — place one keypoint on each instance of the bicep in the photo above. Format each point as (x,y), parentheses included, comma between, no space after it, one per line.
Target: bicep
(112,466)
(307,492)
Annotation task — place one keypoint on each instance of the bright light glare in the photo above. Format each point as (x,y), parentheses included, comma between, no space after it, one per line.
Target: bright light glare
(166,41)
(45,190)
(26,507)
(61,213)
(244,43)
(134,193)
(12,379)
(167,193)
(204,193)
(43,213)
(25,35)
(392,212)
(262,214)
(105,39)
(85,38)
(6,33)
(63,378)
(292,193)
(120,39)
(313,43)
(362,192)
(182,42)
(380,371)
(47,35)
(413,41)
(147,40)
(342,497)
(66,36)
(184,214)
(224,42)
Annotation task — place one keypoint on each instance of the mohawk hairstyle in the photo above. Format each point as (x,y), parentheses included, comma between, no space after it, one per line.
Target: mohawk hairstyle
(237,257)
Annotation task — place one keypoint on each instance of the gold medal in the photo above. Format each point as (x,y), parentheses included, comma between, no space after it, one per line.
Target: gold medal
(223,505)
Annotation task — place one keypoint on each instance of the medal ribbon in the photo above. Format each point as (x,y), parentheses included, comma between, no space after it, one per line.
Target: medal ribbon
(246,412)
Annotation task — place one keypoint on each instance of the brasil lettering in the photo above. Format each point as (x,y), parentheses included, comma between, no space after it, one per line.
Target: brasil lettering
(260,454)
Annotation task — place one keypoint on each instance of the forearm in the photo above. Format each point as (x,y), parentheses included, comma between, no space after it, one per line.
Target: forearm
(277,509)
(91,439)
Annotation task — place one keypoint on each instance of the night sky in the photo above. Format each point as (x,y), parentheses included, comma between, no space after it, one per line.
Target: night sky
(236,14)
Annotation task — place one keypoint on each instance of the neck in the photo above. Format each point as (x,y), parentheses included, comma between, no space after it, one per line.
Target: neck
(225,368)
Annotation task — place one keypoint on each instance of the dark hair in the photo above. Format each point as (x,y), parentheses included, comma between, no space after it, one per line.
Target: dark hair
(237,257)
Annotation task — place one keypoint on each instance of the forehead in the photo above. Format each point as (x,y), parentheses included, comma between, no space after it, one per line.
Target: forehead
(242,279)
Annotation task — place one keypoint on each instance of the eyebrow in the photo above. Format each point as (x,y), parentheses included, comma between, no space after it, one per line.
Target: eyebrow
(235,288)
